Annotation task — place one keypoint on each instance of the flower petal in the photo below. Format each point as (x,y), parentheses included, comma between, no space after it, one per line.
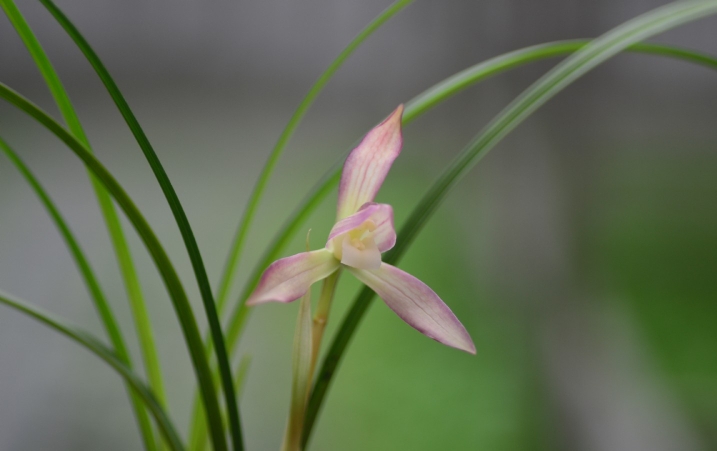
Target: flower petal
(367,165)
(416,304)
(288,279)
(384,235)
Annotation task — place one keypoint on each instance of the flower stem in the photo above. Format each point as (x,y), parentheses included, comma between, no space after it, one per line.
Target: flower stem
(322,316)
(301,380)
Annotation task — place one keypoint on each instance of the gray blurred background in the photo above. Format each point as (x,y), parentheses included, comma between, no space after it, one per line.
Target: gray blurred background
(581,254)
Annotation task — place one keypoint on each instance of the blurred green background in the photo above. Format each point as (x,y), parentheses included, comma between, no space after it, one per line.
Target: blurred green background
(581,255)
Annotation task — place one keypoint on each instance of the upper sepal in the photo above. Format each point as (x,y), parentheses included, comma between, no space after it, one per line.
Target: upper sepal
(367,165)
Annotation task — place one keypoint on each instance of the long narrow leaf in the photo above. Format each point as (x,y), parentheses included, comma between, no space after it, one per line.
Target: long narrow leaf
(562,75)
(468,77)
(180,217)
(96,347)
(114,227)
(98,297)
(198,441)
(159,256)
(414,108)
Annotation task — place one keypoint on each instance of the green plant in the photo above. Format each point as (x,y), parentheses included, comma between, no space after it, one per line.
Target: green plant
(214,375)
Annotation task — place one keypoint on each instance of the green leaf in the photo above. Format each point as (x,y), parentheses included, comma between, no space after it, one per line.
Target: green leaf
(169,275)
(96,347)
(200,440)
(98,297)
(545,88)
(114,227)
(119,242)
(180,217)
(468,77)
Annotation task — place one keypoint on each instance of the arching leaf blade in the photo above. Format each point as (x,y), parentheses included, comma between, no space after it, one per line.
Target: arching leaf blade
(103,308)
(114,227)
(96,347)
(178,212)
(167,271)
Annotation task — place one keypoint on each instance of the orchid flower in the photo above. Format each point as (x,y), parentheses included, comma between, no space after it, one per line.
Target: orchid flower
(363,231)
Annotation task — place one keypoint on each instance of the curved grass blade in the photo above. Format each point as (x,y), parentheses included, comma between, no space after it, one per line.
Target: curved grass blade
(180,217)
(96,347)
(169,275)
(414,108)
(468,77)
(117,236)
(98,297)
(546,87)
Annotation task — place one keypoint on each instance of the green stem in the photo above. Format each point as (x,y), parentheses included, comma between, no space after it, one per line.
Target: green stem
(98,297)
(169,275)
(545,88)
(119,242)
(301,375)
(180,217)
(321,317)
(95,346)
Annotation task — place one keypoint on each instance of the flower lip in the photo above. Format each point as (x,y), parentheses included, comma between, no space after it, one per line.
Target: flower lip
(358,250)
(373,219)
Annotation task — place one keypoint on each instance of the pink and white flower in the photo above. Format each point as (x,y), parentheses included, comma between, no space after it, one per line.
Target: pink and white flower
(363,231)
